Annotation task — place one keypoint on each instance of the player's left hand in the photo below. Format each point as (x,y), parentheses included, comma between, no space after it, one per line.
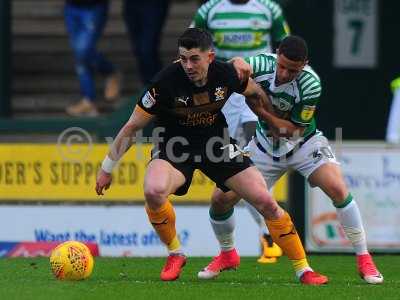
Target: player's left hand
(103,181)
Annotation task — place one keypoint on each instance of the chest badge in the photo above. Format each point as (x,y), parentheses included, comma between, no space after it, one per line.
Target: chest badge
(219,93)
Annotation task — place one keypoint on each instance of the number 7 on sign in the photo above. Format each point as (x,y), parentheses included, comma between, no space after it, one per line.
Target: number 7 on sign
(357,26)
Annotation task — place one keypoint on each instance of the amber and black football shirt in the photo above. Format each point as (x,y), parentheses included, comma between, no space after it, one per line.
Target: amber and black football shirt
(185,110)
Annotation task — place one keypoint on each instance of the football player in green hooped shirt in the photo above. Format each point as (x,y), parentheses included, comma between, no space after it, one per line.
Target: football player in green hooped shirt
(244,28)
(287,138)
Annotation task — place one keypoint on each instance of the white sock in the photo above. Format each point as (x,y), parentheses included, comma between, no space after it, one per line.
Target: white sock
(350,218)
(302,271)
(223,229)
(262,228)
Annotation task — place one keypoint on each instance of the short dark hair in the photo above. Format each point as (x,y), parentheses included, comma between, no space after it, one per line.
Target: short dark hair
(294,48)
(196,38)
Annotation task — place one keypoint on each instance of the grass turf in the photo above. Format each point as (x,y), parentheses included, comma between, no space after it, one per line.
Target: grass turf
(138,278)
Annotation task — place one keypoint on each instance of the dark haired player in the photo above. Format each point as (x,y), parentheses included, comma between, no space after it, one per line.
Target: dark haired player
(186,100)
(287,138)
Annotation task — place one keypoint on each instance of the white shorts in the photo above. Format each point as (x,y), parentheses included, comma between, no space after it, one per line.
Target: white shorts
(306,159)
(236,113)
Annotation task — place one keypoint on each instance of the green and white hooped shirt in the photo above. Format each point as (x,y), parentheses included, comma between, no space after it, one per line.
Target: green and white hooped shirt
(295,101)
(242,29)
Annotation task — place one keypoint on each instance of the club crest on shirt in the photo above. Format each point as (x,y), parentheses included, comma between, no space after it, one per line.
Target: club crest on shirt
(281,103)
(219,93)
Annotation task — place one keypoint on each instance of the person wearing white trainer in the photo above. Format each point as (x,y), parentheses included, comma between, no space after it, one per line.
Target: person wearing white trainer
(288,139)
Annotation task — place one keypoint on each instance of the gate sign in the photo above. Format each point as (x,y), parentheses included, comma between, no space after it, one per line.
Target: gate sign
(355,33)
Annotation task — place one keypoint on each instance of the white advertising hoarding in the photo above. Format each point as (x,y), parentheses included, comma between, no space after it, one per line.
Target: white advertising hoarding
(373,177)
(121,230)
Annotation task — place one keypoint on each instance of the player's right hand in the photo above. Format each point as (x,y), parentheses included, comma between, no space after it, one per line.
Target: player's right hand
(243,69)
(103,181)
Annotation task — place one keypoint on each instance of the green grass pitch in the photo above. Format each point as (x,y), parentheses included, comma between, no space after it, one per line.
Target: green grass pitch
(138,278)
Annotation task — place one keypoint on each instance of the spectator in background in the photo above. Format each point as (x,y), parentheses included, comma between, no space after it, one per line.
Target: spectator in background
(144,21)
(85,21)
(393,127)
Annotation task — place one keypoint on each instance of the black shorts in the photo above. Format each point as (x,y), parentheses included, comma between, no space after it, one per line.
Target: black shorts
(219,166)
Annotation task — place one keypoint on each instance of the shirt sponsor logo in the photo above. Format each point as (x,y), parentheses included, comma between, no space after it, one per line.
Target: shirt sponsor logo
(238,38)
(148,101)
(205,118)
(307,112)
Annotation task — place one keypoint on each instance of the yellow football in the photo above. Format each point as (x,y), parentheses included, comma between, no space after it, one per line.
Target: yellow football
(71,260)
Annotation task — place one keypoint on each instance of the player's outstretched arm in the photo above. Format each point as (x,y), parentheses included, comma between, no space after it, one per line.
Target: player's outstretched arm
(124,140)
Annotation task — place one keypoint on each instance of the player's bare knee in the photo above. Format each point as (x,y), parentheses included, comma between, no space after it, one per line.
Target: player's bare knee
(271,211)
(337,192)
(267,206)
(155,194)
(220,208)
(220,203)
